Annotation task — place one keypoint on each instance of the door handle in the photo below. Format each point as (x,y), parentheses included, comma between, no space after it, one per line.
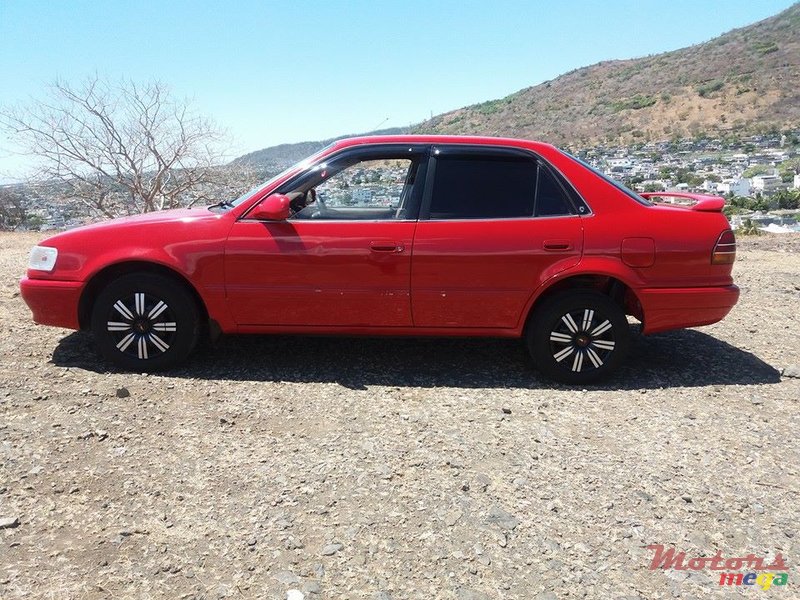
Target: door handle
(557,245)
(386,247)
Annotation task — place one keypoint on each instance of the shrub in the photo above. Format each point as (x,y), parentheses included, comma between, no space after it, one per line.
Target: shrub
(706,89)
(636,102)
(748,228)
(765,47)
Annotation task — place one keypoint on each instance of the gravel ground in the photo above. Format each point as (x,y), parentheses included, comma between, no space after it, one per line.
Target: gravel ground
(277,467)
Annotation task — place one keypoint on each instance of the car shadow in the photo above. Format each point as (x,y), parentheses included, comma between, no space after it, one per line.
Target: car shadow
(684,358)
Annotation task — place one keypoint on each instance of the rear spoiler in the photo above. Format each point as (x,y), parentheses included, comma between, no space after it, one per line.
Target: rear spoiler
(703,202)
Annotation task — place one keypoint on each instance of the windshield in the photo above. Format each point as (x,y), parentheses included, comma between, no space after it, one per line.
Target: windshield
(303,164)
(625,190)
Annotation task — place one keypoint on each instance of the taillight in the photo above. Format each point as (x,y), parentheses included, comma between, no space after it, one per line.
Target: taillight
(725,249)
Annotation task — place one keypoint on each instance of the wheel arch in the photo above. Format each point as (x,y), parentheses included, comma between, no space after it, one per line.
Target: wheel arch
(107,274)
(609,284)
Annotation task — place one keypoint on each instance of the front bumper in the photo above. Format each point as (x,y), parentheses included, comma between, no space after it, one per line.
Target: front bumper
(52,302)
(676,308)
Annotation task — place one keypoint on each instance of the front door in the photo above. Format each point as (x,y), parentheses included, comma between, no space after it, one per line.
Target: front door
(343,259)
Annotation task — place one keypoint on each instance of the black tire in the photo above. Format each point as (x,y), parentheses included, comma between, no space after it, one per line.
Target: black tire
(145,322)
(578,337)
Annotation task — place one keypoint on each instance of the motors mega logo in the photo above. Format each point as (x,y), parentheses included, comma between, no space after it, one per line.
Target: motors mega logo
(756,571)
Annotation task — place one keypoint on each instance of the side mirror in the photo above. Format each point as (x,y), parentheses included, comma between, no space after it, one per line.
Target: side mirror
(274,207)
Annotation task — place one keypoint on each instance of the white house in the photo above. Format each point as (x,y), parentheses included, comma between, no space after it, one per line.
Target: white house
(766,184)
(737,187)
(652,184)
(796,184)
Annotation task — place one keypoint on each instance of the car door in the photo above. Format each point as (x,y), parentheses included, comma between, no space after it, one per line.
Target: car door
(343,259)
(495,224)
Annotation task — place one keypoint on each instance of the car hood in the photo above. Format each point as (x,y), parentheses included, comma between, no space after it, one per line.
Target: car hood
(177,215)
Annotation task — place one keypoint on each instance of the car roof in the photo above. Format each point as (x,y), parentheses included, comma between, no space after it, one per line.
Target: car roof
(442,139)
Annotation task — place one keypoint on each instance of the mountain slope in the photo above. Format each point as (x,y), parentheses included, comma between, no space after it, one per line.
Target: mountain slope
(745,82)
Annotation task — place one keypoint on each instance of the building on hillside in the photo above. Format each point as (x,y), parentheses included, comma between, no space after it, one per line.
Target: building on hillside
(737,187)
(740,159)
(796,183)
(780,218)
(681,187)
(619,167)
(653,185)
(766,184)
(710,186)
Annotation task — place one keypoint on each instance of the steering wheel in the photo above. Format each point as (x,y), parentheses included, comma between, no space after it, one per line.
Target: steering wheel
(319,203)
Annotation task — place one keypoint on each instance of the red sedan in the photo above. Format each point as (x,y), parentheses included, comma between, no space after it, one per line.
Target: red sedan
(399,235)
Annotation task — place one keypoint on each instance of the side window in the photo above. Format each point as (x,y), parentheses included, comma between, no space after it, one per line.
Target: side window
(483,187)
(550,199)
(367,189)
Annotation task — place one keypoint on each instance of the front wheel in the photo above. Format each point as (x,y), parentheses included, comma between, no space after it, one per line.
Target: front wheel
(578,337)
(145,322)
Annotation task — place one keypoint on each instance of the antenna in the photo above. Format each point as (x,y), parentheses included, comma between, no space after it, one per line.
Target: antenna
(379,124)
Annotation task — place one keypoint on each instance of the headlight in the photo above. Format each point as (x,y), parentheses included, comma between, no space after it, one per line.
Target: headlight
(42,258)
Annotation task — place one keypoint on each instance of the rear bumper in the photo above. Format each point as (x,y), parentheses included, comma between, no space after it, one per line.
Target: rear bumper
(676,308)
(52,302)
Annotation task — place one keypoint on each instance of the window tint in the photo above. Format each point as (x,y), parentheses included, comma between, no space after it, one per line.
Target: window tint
(483,188)
(550,199)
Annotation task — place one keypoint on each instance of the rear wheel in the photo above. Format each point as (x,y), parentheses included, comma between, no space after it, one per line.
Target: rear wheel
(578,337)
(145,322)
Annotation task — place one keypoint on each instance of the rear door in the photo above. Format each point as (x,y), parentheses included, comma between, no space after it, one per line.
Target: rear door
(494,224)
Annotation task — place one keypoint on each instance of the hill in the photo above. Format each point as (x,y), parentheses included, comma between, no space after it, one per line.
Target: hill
(286,154)
(743,82)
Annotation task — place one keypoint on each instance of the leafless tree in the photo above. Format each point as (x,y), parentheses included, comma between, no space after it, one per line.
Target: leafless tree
(121,148)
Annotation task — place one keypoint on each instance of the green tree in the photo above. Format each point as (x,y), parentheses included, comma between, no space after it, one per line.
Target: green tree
(756,170)
(34,222)
(666,172)
(788,199)
(788,168)
(748,228)
(686,176)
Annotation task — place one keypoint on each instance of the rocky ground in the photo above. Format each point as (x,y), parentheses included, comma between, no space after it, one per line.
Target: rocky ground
(377,469)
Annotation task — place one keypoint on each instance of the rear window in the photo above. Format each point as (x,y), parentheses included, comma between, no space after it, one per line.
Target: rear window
(625,190)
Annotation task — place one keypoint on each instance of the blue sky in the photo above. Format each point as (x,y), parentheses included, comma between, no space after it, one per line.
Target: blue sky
(274,72)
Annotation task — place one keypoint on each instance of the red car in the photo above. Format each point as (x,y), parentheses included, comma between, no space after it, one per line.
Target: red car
(399,235)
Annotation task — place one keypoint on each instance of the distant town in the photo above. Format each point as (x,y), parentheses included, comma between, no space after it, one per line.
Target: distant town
(759,176)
